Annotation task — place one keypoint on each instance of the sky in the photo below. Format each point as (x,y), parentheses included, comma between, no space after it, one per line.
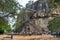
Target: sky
(23,2)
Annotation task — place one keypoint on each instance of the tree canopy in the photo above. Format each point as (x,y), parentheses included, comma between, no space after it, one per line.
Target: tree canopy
(53,3)
(4,25)
(8,7)
(54,25)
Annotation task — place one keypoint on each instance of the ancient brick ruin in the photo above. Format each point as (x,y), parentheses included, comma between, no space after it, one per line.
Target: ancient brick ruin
(37,18)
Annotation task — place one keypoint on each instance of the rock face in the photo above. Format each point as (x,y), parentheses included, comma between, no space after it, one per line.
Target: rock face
(37,20)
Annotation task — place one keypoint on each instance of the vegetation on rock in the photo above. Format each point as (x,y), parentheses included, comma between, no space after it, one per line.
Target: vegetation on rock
(54,25)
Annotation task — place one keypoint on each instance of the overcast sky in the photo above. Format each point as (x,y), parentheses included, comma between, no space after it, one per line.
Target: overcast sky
(23,2)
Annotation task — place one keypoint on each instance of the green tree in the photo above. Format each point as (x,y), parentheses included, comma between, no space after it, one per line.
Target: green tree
(9,7)
(21,16)
(4,25)
(53,3)
(54,25)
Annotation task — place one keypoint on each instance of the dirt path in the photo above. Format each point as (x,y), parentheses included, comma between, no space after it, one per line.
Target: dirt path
(33,37)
